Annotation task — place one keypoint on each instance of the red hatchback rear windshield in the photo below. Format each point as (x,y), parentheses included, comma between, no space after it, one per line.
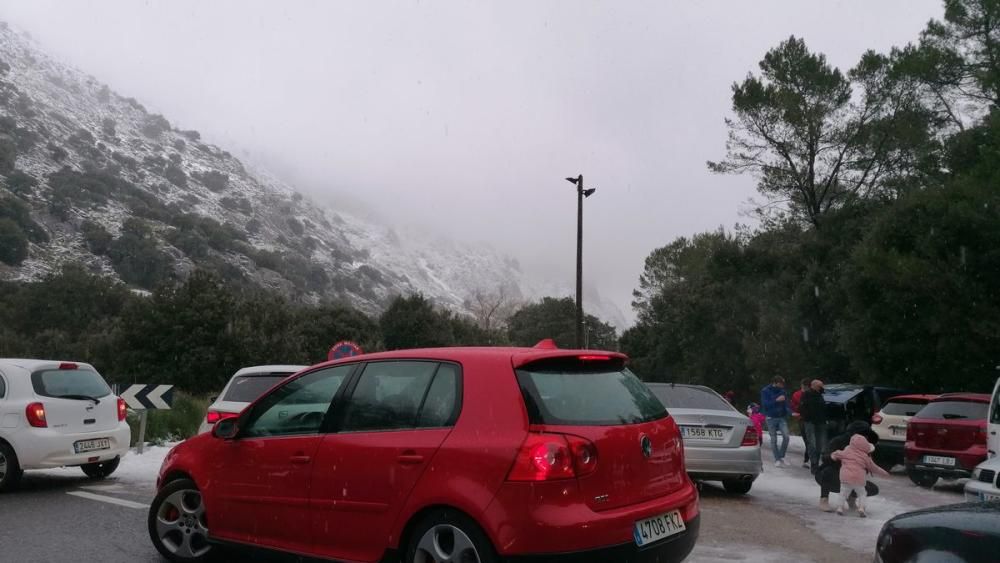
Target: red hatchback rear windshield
(949,410)
(581,394)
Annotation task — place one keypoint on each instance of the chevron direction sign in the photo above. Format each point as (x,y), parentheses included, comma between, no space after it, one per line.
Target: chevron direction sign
(148,397)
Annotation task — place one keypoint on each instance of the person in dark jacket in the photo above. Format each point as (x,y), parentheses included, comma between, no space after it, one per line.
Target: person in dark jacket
(812,411)
(828,476)
(774,404)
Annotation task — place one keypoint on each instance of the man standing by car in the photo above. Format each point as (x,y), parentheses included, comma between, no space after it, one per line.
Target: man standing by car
(813,416)
(774,403)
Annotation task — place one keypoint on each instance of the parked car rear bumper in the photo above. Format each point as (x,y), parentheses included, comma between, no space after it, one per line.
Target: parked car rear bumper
(539,520)
(965,461)
(722,463)
(976,491)
(44,448)
(669,550)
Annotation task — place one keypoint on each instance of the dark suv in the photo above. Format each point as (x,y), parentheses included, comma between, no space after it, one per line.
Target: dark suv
(847,402)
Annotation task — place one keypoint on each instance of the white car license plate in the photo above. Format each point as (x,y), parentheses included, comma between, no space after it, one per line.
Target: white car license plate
(658,527)
(92,445)
(701,433)
(898,431)
(988,497)
(938,460)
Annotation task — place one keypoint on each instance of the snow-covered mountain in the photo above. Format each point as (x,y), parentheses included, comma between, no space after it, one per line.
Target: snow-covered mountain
(91,177)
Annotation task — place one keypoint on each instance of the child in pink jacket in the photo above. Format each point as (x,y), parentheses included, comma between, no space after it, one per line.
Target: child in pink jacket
(757,419)
(855,465)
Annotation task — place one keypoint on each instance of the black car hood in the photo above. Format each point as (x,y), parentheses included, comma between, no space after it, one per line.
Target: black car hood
(970,516)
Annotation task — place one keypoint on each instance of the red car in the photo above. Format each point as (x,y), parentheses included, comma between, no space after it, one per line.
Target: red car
(947,438)
(456,454)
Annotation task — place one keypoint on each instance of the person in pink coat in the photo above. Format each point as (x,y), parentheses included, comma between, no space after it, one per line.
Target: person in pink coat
(757,419)
(855,464)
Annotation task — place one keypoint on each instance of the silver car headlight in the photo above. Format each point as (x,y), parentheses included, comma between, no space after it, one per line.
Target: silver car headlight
(975,474)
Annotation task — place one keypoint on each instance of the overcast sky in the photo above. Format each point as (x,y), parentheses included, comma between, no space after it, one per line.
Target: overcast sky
(466,116)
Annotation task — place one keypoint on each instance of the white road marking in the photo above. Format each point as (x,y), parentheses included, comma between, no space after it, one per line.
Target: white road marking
(109,500)
(105,488)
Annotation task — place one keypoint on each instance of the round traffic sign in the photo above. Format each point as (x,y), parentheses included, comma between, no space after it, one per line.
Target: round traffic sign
(343,349)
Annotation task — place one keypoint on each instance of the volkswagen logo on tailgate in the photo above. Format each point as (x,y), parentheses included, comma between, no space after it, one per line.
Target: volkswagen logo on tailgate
(647,445)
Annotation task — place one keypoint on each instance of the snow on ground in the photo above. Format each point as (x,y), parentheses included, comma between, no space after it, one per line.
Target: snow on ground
(134,468)
(745,553)
(795,491)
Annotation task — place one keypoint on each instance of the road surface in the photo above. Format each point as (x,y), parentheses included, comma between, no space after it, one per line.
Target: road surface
(61,516)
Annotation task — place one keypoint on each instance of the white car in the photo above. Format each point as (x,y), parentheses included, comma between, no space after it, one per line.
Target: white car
(243,388)
(983,485)
(58,414)
(890,424)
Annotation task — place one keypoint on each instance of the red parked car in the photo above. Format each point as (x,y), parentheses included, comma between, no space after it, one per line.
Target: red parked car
(457,454)
(947,438)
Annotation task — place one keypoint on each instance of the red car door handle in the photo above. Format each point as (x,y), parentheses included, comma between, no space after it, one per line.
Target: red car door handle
(301,459)
(410,458)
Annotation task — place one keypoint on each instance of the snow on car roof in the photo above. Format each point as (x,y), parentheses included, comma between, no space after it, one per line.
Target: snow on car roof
(32,365)
(269,369)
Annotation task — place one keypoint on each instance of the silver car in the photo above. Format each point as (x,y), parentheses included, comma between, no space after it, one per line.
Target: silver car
(720,443)
(243,388)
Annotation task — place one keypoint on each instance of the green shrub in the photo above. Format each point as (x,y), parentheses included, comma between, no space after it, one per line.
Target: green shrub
(178,423)
(154,126)
(125,161)
(8,155)
(13,243)
(17,211)
(175,175)
(137,258)
(58,153)
(20,182)
(108,127)
(98,238)
(237,204)
(213,180)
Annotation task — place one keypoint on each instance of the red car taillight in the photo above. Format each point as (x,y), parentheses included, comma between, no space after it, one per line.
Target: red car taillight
(548,457)
(750,437)
(35,413)
(876,418)
(122,409)
(980,436)
(215,416)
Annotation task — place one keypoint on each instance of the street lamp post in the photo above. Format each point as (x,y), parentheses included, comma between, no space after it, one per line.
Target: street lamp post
(580,194)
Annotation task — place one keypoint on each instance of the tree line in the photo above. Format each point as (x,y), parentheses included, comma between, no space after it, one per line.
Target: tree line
(195,334)
(877,252)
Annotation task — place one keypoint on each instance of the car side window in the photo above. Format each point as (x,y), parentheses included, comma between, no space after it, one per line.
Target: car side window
(297,407)
(441,401)
(389,395)
(3,388)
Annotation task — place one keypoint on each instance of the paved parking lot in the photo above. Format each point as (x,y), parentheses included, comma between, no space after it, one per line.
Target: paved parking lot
(61,516)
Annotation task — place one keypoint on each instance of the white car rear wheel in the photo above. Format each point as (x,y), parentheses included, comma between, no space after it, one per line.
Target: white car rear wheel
(10,470)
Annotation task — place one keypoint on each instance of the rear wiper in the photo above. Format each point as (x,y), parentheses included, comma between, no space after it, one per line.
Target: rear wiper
(952,416)
(81,398)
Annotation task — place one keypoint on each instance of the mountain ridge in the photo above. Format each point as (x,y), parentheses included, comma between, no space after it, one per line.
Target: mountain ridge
(97,179)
